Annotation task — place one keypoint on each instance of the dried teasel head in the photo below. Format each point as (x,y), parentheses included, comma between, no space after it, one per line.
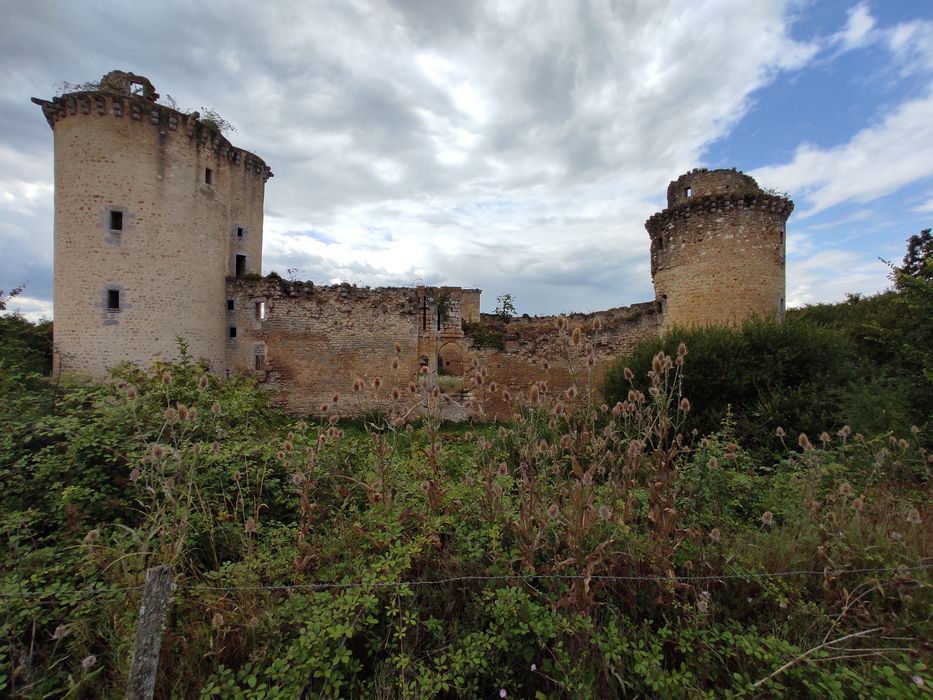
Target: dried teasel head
(804,442)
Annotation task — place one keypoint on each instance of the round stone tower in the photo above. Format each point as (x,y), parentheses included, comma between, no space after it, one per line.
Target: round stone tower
(717,251)
(154,209)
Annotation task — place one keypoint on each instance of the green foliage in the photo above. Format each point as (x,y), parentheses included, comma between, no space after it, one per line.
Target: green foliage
(577,551)
(25,346)
(766,374)
(212,120)
(485,335)
(505,307)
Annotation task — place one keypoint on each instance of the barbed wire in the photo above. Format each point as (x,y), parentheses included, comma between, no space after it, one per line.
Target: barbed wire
(325,585)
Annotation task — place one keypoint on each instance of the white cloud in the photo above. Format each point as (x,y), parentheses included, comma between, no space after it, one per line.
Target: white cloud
(30,308)
(858,29)
(875,162)
(829,274)
(925,208)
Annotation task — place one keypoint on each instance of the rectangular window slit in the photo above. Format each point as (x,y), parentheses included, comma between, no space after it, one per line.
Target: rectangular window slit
(116,220)
(208,176)
(688,191)
(113,299)
(230,305)
(240,265)
(233,331)
(261,310)
(239,232)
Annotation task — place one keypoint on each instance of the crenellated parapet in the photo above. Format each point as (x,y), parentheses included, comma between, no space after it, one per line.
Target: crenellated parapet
(110,100)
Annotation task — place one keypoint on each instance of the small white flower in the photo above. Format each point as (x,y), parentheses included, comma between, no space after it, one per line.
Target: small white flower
(502,693)
(534,667)
(918,681)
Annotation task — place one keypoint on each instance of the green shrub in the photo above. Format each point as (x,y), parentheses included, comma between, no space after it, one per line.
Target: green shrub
(767,374)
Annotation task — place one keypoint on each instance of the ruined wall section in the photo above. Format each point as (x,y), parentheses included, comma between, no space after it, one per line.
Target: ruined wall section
(139,221)
(718,250)
(317,341)
(542,348)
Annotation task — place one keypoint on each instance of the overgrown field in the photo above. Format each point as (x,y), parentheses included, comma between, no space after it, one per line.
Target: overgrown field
(577,551)
(766,536)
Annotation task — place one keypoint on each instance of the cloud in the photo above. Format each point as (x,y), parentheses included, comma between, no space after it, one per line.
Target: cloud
(858,31)
(515,146)
(830,274)
(925,208)
(875,162)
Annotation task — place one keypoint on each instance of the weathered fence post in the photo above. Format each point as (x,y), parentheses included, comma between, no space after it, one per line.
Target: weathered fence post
(152,611)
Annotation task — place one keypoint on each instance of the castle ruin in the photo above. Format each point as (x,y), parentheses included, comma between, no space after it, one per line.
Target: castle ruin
(158,235)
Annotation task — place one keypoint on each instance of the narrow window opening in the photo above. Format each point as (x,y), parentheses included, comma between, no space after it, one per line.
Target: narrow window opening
(660,243)
(137,89)
(116,220)
(261,310)
(113,299)
(782,234)
(688,191)
(233,331)
(239,232)
(240,265)
(230,305)
(208,176)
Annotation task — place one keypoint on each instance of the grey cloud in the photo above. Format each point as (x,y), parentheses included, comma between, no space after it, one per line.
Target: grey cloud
(332,96)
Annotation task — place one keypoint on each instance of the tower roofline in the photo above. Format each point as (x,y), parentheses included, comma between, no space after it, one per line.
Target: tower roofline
(113,96)
(717,203)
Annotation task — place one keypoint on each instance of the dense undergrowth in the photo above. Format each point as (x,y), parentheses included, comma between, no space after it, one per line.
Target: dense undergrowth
(579,550)
(688,539)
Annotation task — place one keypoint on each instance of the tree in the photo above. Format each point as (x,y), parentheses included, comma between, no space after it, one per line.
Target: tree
(5,297)
(505,307)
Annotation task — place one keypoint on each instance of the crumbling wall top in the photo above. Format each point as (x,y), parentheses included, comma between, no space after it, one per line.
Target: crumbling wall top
(118,82)
(704,183)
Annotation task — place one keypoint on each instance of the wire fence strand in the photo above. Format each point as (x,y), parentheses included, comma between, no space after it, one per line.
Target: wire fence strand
(747,575)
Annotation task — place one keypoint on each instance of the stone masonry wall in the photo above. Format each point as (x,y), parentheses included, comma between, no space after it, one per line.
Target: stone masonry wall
(717,252)
(543,349)
(179,233)
(317,342)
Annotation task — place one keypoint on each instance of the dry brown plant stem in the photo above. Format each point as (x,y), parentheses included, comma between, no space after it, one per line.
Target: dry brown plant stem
(801,657)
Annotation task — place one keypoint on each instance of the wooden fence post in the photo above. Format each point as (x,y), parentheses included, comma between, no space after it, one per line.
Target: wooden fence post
(141,682)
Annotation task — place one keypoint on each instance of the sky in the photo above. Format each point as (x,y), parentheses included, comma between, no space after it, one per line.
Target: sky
(514,146)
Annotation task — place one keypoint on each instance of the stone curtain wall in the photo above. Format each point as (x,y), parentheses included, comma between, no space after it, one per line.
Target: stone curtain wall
(537,350)
(318,341)
(178,240)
